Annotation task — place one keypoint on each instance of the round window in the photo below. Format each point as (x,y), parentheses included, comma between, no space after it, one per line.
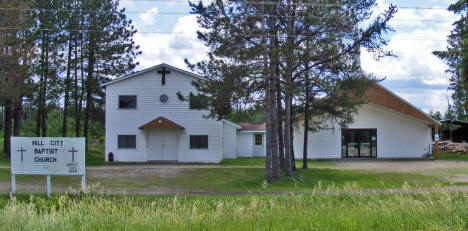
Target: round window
(163,98)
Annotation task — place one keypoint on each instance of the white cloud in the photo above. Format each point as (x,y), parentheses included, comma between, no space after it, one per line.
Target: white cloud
(147,19)
(415,74)
(172,48)
(127,4)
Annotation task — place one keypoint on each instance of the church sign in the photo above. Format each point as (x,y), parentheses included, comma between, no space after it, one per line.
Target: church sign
(47,156)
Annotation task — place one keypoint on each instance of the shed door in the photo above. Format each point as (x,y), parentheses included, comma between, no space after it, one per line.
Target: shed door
(259,145)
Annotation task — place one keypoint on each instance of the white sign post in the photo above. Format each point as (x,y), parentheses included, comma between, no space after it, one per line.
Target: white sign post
(48,156)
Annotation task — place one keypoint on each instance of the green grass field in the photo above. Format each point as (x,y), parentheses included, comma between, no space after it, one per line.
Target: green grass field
(426,211)
(452,156)
(250,179)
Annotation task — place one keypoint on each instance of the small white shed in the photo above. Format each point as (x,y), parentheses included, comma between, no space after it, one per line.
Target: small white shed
(251,140)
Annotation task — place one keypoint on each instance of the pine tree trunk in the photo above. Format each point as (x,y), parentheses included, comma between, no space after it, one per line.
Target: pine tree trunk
(293,158)
(67,90)
(274,132)
(39,102)
(80,104)
(272,104)
(44,93)
(89,90)
(76,95)
(287,134)
(89,99)
(38,122)
(279,109)
(7,129)
(288,93)
(306,118)
(268,157)
(17,114)
(306,140)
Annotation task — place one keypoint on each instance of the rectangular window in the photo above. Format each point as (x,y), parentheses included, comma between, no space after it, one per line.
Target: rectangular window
(128,101)
(198,101)
(126,141)
(258,139)
(199,142)
(357,143)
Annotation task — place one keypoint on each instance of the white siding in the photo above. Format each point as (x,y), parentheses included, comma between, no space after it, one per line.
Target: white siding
(245,144)
(229,141)
(322,144)
(148,89)
(398,135)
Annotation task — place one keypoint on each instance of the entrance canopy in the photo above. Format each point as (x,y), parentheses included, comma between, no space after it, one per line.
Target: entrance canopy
(161,122)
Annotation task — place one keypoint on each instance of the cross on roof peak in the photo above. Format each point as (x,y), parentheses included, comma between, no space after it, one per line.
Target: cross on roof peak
(163,72)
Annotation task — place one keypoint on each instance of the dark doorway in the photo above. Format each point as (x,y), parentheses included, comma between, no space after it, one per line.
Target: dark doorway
(359,143)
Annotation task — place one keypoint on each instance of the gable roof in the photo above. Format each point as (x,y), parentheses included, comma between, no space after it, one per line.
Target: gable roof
(378,94)
(161,122)
(152,69)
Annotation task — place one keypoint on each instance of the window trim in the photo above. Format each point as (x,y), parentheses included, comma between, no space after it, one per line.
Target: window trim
(255,139)
(202,148)
(128,148)
(128,108)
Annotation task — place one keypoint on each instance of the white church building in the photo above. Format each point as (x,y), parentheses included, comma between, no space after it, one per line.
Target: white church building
(155,115)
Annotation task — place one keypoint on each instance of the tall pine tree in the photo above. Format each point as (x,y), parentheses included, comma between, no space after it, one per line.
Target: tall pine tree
(456,57)
(239,34)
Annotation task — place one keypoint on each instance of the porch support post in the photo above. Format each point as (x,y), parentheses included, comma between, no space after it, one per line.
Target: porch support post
(436,143)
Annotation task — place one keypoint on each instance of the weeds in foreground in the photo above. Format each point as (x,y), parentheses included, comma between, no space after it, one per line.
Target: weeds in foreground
(351,209)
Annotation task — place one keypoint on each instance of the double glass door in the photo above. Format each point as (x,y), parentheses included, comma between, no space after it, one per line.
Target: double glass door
(357,143)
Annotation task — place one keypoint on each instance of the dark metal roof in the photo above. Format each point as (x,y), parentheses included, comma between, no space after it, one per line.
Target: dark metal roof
(456,122)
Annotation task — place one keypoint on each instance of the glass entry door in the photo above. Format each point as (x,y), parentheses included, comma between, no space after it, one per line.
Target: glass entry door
(357,143)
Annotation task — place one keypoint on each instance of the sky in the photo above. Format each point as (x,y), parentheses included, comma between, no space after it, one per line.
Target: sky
(166,33)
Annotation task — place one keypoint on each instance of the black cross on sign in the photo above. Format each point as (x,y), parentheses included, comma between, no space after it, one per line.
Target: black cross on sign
(21,150)
(73,153)
(163,71)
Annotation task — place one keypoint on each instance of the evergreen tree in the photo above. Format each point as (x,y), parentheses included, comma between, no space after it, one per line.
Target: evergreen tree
(435,115)
(257,48)
(109,50)
(16,52)
(456,57)
(79,45)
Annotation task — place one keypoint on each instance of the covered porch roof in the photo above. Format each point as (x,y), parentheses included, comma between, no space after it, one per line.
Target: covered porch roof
(161,122)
